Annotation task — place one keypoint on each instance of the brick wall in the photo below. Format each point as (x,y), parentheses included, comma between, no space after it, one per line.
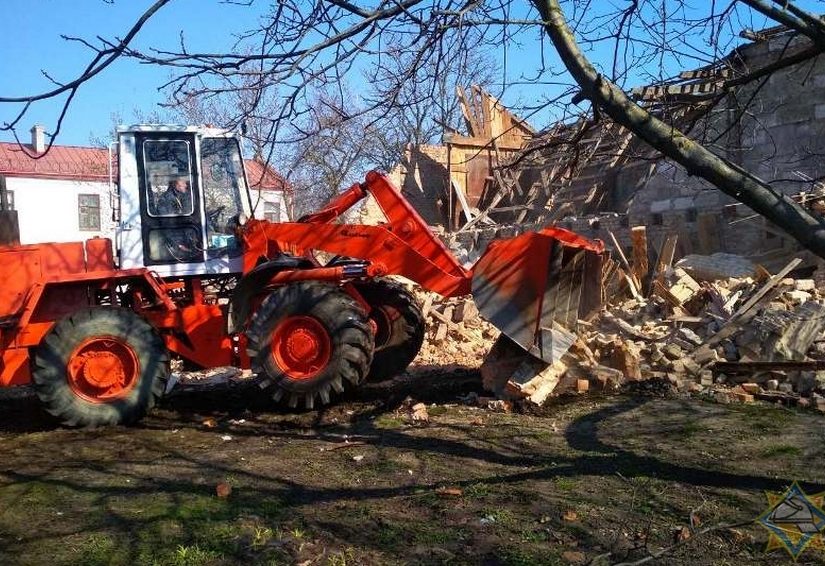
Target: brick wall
(781,135)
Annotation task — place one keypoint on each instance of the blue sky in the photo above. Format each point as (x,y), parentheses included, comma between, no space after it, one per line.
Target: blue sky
(30,41)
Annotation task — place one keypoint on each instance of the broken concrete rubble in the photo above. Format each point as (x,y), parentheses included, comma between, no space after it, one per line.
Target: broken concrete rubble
(733,338)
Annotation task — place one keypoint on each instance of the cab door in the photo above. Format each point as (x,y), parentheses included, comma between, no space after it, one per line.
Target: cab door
(171,219)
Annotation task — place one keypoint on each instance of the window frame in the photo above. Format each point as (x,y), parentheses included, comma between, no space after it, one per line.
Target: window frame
(81,212)
(277,211)
(148,185)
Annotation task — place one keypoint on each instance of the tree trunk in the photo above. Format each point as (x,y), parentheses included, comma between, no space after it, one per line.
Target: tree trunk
(800,223)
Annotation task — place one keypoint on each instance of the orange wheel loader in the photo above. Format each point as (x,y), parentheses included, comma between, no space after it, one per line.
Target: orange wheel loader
(93,325)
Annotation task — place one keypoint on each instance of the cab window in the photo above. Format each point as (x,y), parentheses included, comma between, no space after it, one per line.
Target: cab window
(223,184)
(168,181)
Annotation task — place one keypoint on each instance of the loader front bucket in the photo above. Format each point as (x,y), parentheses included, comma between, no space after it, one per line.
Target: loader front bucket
(536,286)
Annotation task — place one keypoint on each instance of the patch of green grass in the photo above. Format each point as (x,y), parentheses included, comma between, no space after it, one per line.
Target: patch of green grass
(764,419)
(437,411)
(190,556)
(342,557)
(523,556)
(534,535)
(563,483)
(95,549)
(391,536)
(385,466)
(430,499)
(427,533)
(781,450)
(206,528)
(478,490)
(690,428)
(503,518)
(389,421)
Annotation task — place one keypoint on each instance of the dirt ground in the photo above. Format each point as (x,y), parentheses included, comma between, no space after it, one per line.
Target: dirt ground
(586,477)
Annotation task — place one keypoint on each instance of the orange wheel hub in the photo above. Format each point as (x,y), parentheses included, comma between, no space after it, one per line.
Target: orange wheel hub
(301,346)
(102,369)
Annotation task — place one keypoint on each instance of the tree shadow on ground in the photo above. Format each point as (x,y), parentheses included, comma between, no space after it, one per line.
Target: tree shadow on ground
(101,471)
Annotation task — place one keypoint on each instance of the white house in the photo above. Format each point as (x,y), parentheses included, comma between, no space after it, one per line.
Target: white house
(67,195)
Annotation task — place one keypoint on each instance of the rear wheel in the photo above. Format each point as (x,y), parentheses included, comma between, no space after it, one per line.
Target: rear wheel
(100,366)
(399,325)
(310,340)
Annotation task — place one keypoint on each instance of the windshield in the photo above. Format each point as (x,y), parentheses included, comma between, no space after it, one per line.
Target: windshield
(223,187)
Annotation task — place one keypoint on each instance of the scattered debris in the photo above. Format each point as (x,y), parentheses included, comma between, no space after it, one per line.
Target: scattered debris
(570,516)
(420,414)
(715,325)
(449,492)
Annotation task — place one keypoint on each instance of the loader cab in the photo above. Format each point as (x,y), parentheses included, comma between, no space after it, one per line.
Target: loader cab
(182,193)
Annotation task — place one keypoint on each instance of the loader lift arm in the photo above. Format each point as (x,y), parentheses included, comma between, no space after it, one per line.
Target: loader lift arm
(404,245)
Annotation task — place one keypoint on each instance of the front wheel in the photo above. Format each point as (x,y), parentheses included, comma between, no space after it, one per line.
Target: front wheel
(100,366)
(310,340)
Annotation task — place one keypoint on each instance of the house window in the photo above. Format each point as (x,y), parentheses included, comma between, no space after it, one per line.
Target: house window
(88,209)
(9,200)
(272,211)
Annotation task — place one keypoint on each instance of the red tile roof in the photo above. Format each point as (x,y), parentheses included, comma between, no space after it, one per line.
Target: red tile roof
(92,164)
(61,162)
(261,175)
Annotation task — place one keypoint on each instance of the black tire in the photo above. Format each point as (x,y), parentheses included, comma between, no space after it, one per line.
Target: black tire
(400,335)
(109,325)
(344,322)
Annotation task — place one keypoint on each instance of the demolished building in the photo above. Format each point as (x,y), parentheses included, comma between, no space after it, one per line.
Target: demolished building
(596,177)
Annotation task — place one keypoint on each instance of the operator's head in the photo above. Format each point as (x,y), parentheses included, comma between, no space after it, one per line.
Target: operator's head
(181,184)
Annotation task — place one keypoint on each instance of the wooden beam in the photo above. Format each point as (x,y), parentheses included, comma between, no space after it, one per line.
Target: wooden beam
(472,125)
(641,263)
(462,199)
(480,143)
(634,285)
(732,325)
(665,260)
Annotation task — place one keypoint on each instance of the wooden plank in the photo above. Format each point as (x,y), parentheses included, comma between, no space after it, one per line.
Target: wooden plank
(641,265)
(666,256)
(477,142)
(733,323)
(508,208)
(772,282)
(472,125)
(663,292)
(634,286)
(514,182)
(664,261)
(428,303)
(706,73)
(462,199)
